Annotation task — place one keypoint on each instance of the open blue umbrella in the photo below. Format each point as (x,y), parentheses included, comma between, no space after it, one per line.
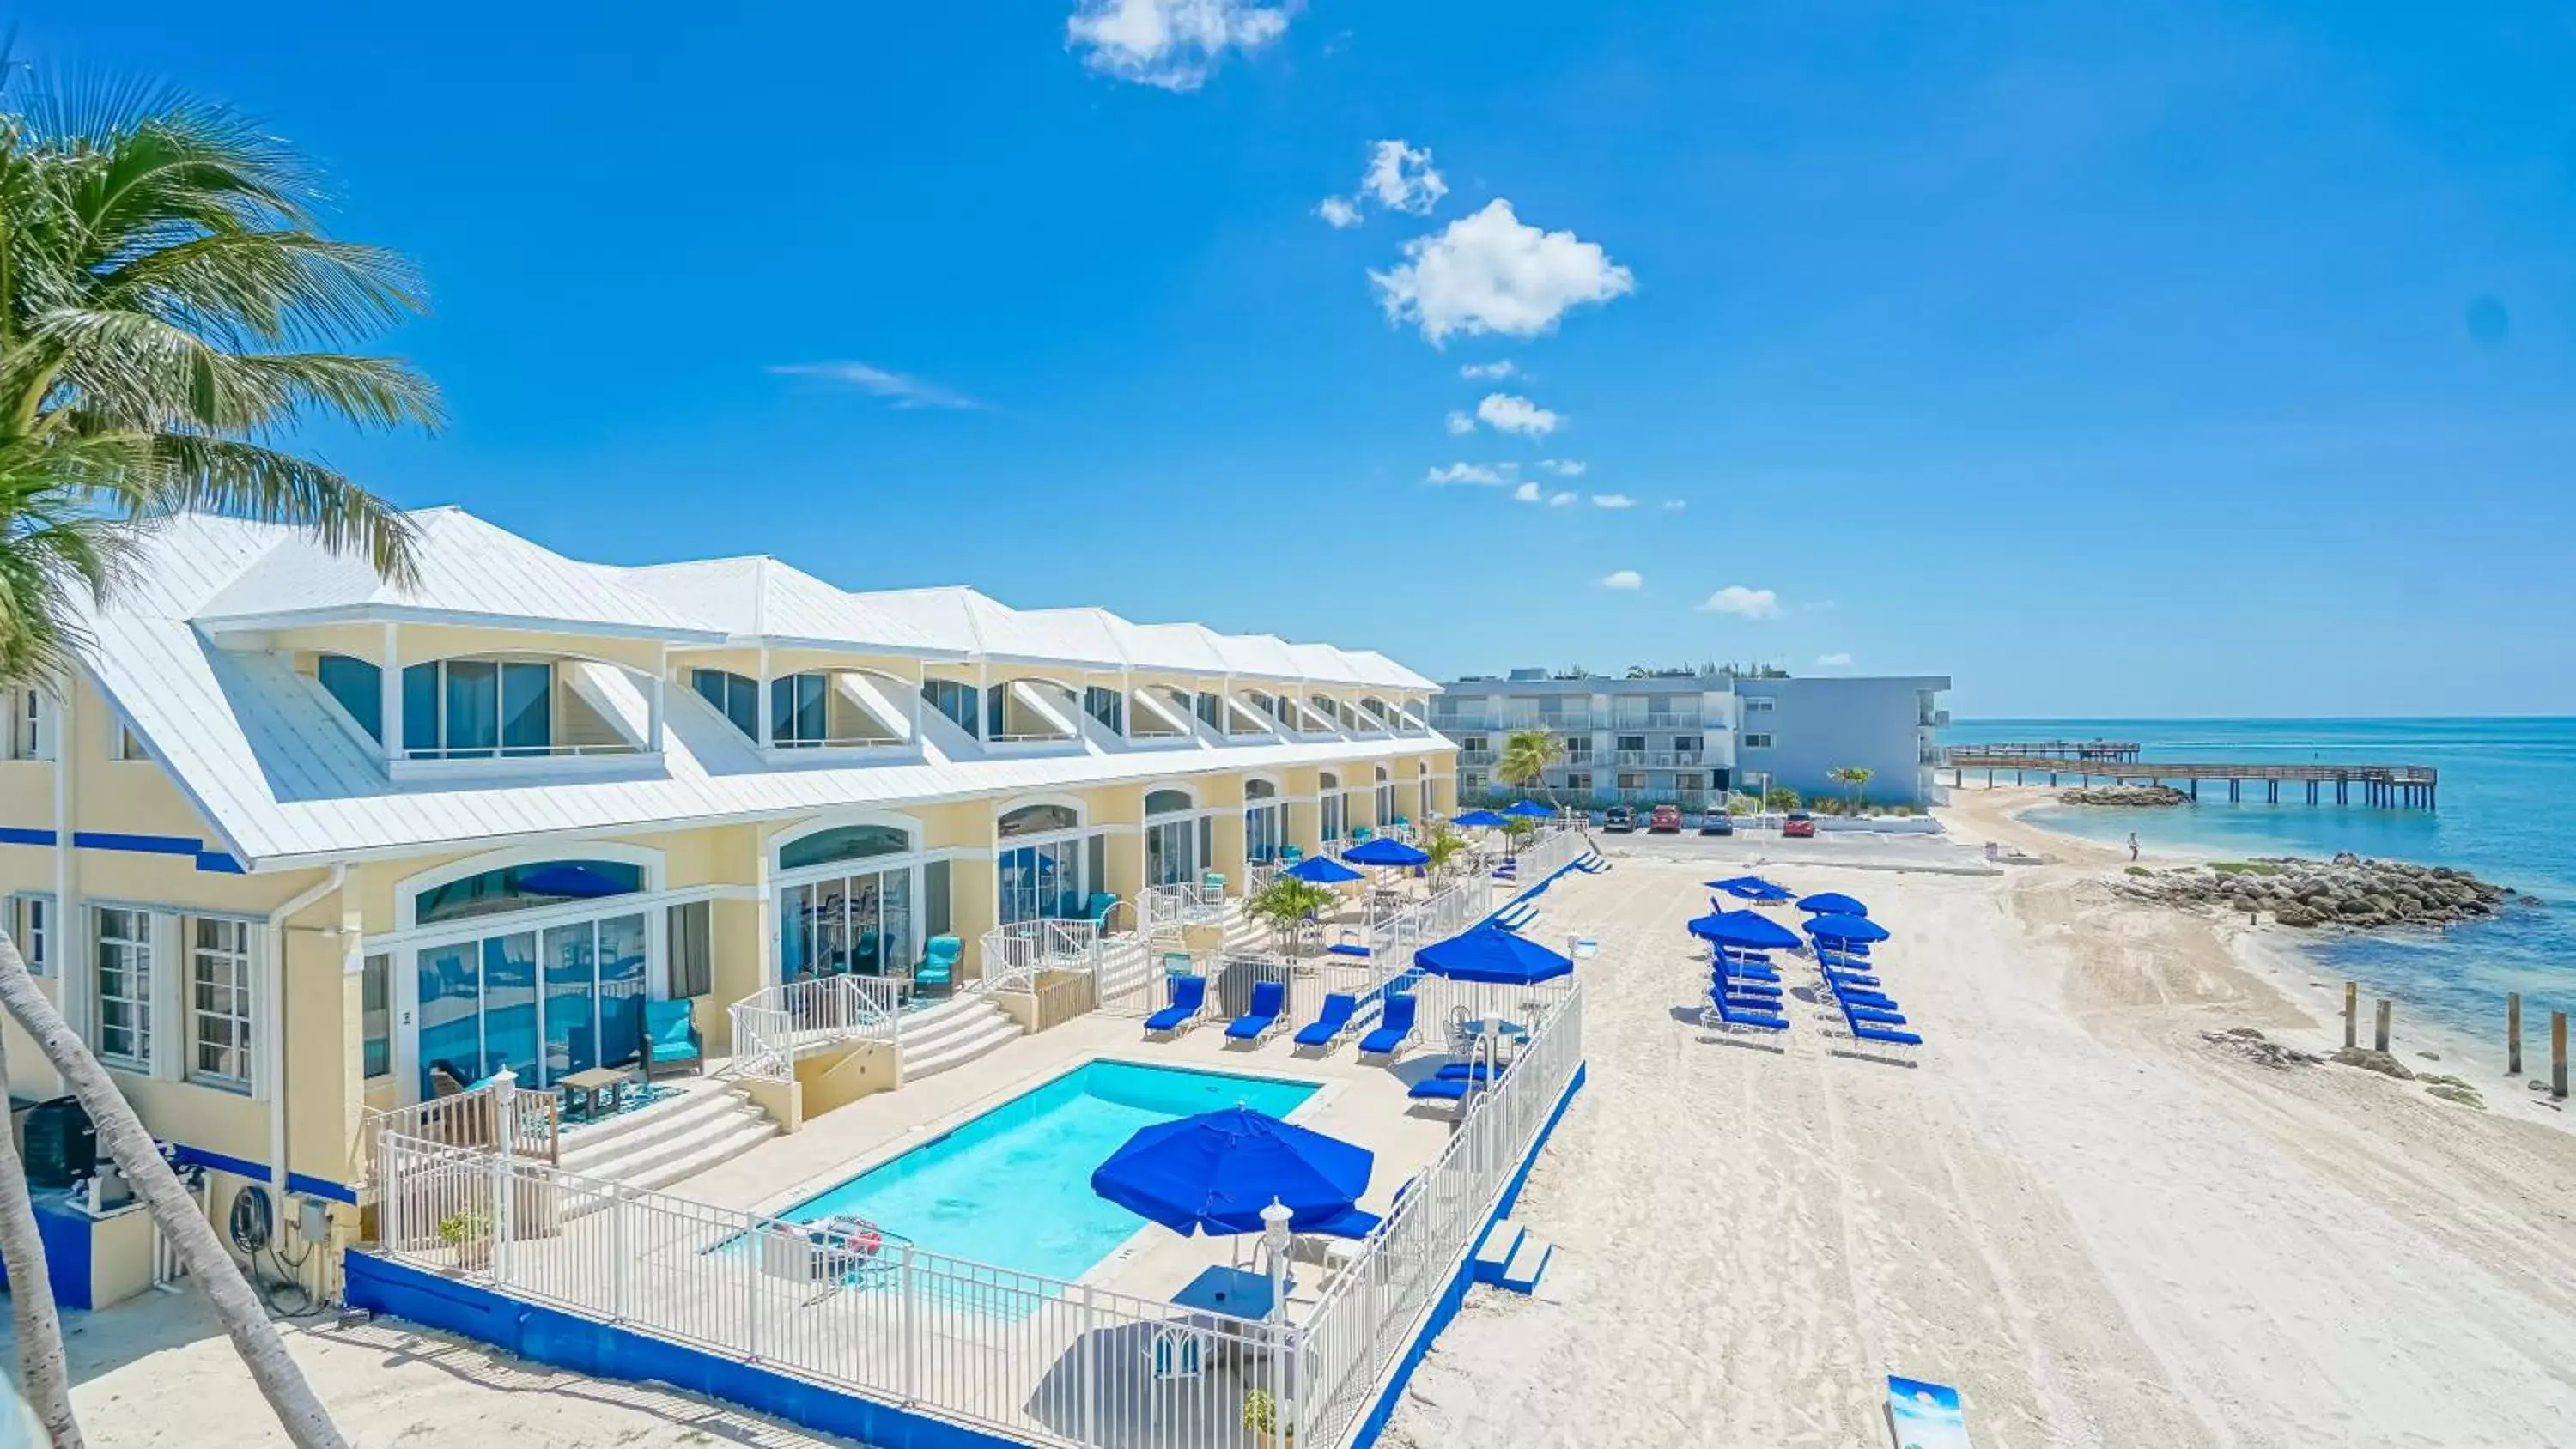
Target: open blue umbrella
(1493,955)
(1321,870)
(1833,927)
(1385,850)
(1482,819)
(1215,1172)
(1832,903)
(1752,888)
(1745,930)
(1532,809)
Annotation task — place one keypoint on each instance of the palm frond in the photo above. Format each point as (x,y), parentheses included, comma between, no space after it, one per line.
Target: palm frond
(244,480)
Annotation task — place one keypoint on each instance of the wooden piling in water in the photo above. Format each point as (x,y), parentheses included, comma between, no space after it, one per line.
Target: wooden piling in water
(2351,1014)
(2558,1055)
(2513,1033)
(2379,1033)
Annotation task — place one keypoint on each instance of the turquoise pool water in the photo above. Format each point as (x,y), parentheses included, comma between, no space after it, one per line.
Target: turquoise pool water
(1012,1187)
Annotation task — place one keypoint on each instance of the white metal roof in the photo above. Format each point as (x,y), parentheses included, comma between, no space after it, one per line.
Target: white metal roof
(282,779)
(759,598)
(470,572)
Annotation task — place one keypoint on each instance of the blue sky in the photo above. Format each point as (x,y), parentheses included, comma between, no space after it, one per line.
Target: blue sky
(2190,360)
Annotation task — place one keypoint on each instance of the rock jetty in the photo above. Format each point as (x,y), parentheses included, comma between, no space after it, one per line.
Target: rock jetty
(2346,891)
(2123,795)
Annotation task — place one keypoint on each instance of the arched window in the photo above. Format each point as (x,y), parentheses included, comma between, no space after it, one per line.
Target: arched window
(955,700)
(1038,820)
(1166,802)
(844,842)
(1259,790)
(526,888)
(1329,781)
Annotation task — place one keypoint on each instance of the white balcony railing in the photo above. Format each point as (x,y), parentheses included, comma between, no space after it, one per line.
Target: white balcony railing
(771,1026)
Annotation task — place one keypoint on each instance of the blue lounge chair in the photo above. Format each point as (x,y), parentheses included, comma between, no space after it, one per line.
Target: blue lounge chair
(671,1038)
(1733,972)
(1269,999)
(1189,999)
(1854,996)
(1358,1222)
(938,969)
(1329,1024)
(1444,1089)
(1348,946)
(1465,1071)
(1395,1028)
(1723,1014)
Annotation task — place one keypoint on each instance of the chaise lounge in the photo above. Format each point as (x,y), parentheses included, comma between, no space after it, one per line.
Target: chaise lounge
(1189,1002)
(1395,1028)
(1331,1023)
(1269,1000)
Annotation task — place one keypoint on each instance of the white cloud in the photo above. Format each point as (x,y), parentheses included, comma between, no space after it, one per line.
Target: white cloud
(1613,500)
(1505,413)
(1338,211)
(905,392)
(1744,603)
(1674,505)
(1560,500)
(1833,661)
(1623,579)
(1460,423)
(1401,178)
(1493,273)
(1503,368)
(1477,473)
(1528,493)
(1564,467)
(1175,44)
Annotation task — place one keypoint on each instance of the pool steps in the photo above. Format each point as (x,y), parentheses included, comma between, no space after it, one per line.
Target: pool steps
(1512,1257)
(671,1140)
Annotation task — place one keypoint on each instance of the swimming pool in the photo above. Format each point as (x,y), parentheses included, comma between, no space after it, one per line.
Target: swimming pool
(1012,1186)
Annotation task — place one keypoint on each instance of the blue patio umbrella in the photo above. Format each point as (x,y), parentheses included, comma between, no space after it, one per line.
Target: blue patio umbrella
(1752,888)
(1483,819)
(1321,870)
(1744,930)
(1493,955)
(1843,928)
(1532,809)
(1385,850)
(1215,1172)
(1832,903)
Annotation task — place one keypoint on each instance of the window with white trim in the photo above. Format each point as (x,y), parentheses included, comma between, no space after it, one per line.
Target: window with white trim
(219,1002)
(376,1015)
(30,726)
(1757,742)
(31,925)
(124,963)
(129,746)
(1760,704)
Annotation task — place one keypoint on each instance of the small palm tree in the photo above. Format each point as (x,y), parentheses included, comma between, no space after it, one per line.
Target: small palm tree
(1287,905)
(1444,846)
(169,310)
(1526,757)
(1853,778)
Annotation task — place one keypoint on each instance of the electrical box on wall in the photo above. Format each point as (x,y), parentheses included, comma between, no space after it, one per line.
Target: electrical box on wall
(312,1219)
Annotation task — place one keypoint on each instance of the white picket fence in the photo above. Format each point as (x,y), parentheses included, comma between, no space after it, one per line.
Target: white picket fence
(1049,1361)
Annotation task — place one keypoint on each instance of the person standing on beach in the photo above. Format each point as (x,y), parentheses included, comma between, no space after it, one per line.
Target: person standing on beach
(2133,845)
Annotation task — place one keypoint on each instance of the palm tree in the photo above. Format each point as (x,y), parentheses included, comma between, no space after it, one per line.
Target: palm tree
(1286,905)
(1852,778)
(1444,846)
(1524,763)
(169,309)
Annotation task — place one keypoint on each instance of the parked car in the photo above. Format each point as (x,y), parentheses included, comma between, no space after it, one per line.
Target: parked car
(1666,820)
(1798,826)
(1717,822)
(1619,819)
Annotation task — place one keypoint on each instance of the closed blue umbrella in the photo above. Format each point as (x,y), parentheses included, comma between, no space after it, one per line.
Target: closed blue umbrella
(1832,903)
(1215,1172)
(1482,819)
(1385,850)
(1493,955)
(1744,930)
(1846,928)
(1321,870)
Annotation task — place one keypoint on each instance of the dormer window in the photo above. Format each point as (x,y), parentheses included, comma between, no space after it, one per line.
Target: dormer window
(736,698)
(357,686)
(471,709)
(955,700)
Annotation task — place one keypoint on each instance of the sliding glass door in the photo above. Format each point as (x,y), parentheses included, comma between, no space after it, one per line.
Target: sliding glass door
(545,1003)
(862,923)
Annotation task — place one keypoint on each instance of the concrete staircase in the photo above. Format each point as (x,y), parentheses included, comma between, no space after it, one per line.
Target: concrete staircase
(1512,1258)
(950,1034)
(670,1140)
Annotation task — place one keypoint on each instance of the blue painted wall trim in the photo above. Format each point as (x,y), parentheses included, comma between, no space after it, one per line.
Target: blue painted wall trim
(606,1351)
(1451,1298)
(214,861)
(258,1172)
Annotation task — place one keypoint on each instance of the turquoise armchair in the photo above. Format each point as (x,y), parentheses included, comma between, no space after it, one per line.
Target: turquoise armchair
(1096,910)
(938,968)
(671,1039)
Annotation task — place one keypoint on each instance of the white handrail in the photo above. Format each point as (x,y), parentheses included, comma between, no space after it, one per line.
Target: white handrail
(772,1025)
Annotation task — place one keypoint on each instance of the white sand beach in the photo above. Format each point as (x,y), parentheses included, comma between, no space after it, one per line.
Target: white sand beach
(2102,1228)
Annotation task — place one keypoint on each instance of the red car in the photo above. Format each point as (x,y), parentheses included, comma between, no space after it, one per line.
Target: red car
(1667,820)
(1798,826)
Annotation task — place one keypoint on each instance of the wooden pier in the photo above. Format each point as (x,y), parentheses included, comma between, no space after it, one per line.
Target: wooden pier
(2062,749)
(2396,787)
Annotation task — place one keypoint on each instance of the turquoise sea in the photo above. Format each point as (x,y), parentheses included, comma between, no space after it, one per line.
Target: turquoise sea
(2508,813)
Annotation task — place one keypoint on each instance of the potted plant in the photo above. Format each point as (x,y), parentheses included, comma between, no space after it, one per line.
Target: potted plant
(469,1232)
(1261,1421)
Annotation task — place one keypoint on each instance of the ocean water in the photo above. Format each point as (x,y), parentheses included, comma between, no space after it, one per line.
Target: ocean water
(2507,789)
